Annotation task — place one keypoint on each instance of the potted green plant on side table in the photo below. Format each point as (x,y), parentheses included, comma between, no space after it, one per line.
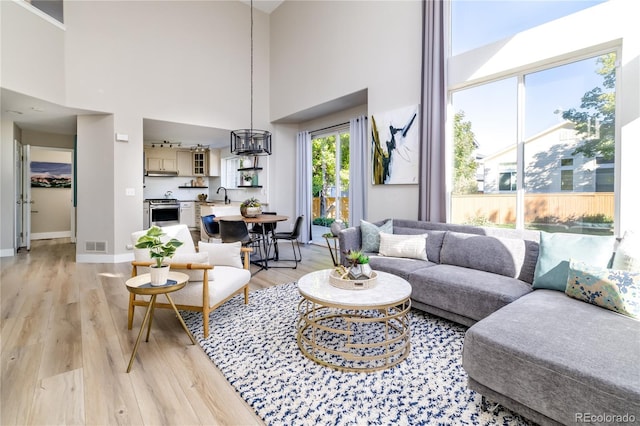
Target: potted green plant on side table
(159,251)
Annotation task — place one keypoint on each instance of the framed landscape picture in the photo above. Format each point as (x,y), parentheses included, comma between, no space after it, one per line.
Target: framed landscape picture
(45,174)
(395,146)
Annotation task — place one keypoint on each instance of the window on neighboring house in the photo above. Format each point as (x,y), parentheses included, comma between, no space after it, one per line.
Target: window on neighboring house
(508,177)
(566,174)
(566,180)
(604,175)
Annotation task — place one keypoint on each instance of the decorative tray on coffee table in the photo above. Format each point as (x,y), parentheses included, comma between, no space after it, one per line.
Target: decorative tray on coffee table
(348,284)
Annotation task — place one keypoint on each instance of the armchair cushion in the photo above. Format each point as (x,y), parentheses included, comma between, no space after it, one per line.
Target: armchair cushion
(223,282)
(222,254)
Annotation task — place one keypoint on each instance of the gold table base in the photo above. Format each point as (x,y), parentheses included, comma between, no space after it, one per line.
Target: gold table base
(333,335)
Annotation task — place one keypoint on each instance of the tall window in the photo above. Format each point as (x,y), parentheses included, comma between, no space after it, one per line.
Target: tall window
(330,179)
(535,148)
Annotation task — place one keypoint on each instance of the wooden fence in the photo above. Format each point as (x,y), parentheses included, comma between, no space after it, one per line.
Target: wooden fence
(330,207)
(501,208)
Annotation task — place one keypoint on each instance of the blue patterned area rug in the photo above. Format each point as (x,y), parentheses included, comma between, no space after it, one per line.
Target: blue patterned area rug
(255,348)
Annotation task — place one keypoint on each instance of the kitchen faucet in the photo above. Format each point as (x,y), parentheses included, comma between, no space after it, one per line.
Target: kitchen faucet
(226,199)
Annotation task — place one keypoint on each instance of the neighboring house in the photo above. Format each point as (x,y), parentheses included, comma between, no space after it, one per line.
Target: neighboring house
(550,166)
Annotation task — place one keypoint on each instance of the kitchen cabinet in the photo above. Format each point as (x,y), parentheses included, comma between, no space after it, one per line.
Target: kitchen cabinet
(199,160)
(161,160)
(188,214)
(145,215)
(213,162)
(185,163)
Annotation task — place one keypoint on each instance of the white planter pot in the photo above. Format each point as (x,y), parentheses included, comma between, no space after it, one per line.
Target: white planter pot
(160,275)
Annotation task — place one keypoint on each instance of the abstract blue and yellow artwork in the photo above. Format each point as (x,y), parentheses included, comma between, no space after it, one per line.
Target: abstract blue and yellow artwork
(395,146)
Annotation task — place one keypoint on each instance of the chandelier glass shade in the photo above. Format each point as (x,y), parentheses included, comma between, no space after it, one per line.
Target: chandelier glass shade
(251,141)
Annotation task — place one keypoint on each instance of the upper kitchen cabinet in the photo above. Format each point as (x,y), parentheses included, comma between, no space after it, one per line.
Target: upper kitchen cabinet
(214,162)
(185,163)
(161,161)
(199,163)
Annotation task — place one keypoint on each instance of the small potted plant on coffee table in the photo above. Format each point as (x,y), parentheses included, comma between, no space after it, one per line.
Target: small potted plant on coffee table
(360,268)
(158,251)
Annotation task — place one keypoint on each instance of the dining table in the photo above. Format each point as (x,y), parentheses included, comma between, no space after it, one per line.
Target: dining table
(261,219)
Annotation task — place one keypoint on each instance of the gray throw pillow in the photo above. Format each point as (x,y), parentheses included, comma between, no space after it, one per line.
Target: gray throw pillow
(371,234)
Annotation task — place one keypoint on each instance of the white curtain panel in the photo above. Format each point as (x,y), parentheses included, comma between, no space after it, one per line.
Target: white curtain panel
(432,197)
(303,184)
(357,170)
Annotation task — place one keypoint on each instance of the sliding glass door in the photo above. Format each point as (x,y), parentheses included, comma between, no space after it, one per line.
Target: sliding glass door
(330,180)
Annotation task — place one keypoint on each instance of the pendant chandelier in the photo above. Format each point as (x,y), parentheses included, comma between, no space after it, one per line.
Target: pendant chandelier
(251,141)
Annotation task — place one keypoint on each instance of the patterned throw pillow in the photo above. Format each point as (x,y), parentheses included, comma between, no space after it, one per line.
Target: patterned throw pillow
(371,234)
(612,289)
(409,246)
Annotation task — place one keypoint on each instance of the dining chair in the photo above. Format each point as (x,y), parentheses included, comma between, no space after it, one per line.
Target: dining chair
(235,230)
(266,230)
(211,228)
(293,238)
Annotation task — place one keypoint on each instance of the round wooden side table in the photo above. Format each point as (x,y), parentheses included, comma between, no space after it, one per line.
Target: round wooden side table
(141,284)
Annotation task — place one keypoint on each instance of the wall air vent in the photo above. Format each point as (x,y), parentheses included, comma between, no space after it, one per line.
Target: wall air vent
(95,246)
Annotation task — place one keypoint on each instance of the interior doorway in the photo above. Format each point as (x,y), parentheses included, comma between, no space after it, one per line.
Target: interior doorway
(51,182)
(44,194)
(330,181)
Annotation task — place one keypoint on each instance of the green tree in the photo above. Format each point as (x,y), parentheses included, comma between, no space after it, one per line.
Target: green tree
(465,165)
(323,163)
(595,118)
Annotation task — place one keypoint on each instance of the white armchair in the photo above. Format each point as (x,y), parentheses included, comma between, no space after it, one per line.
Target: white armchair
(216,274)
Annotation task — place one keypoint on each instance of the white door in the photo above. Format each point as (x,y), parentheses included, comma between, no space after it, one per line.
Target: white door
(26,197)
(18,193)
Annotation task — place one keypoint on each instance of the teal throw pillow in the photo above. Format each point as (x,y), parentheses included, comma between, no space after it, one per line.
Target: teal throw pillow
(613,289)
(552,268)
(371,234)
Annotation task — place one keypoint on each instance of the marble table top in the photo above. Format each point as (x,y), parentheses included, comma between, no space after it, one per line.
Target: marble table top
(388,290)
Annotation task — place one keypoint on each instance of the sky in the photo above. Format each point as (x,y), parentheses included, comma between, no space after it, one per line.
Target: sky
(492,108)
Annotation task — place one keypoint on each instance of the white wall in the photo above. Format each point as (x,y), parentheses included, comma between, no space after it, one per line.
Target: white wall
(8,133)
(186,62)
(32,53)
(324,50)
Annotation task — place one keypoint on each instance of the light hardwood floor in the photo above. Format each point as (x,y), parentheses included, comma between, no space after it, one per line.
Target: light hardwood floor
(65,347)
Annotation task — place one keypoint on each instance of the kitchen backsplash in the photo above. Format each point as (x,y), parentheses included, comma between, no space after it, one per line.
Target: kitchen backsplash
(156,187)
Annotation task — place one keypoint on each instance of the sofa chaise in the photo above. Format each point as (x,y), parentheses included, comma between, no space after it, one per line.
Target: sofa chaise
(550,357)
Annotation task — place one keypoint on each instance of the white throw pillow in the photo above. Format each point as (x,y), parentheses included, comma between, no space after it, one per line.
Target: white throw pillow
(222,254)
(627,257)
(399,245)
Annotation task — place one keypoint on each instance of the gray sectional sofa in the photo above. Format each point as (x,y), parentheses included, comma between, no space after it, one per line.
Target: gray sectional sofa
(551,358)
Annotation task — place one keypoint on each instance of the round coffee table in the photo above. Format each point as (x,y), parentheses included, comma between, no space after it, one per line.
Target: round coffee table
(354,330)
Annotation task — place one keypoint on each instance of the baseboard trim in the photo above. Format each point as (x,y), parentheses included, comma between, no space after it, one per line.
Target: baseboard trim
(7,252)
(104,258)
(50,235)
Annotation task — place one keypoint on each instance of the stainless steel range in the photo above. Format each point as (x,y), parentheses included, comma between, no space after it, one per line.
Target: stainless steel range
(164,211)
